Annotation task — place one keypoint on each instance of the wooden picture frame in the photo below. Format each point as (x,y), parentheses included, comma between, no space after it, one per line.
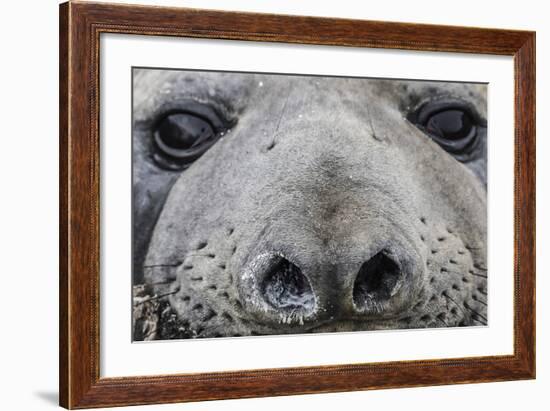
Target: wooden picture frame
(80,27)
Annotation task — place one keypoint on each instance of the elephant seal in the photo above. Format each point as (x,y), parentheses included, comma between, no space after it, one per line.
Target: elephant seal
(274,204)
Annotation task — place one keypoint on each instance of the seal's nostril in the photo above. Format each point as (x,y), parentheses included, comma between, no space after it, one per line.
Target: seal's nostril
(285,287)
(376,282)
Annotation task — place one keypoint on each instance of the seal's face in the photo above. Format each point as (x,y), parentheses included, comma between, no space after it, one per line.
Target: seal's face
(270,204)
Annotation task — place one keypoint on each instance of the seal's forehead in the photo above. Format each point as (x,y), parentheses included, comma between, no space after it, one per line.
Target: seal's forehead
(155,87)
(408,94)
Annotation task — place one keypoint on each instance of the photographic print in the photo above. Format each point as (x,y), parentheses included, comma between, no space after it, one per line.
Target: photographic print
(270,204)
(282,184)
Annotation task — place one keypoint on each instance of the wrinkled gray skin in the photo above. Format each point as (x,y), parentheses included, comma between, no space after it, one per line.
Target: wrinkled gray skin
(325,173)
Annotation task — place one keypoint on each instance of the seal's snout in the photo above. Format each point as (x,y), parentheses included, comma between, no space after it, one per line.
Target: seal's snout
(378,281)
(277,289)
(309,293)
(285,287)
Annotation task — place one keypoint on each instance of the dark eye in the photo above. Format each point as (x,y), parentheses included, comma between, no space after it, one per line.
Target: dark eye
(452,124)
(182,136)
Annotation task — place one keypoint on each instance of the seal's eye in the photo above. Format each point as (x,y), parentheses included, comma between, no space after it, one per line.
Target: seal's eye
(181,135)
(451,124)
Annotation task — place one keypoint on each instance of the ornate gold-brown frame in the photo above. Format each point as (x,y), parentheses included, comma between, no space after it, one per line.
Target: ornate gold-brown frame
(80,27)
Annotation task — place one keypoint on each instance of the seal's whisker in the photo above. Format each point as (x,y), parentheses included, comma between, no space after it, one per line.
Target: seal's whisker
(156,297)
(476,299)
(209,255)
(474,311)
(176,264)
(446,295)
(479,321)
(162,282)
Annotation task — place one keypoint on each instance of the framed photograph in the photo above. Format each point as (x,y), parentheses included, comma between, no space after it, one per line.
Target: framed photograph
(258,205)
